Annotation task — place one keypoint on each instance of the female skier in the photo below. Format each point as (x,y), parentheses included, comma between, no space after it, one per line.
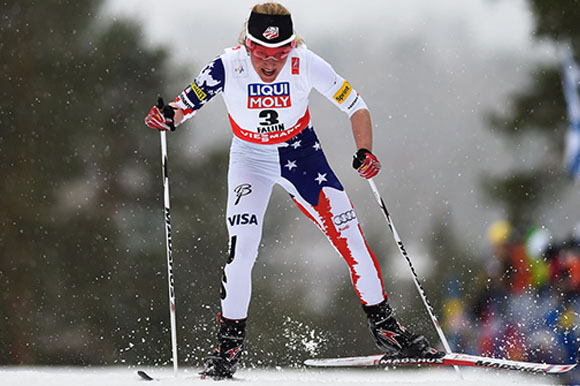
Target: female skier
(265,83)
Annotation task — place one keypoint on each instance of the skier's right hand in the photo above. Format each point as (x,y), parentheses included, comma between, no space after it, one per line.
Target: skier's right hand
(161,116)
(366,163)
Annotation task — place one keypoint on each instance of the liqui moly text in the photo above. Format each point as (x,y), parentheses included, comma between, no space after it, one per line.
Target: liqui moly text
(271,96)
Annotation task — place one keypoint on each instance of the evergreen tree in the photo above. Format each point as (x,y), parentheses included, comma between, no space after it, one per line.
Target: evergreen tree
(536,123)
(82,267)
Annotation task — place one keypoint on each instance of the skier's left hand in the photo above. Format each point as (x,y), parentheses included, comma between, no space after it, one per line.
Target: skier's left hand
(366,163)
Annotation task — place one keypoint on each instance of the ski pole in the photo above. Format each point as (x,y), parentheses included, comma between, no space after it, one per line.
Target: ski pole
(403,251)
(168,247)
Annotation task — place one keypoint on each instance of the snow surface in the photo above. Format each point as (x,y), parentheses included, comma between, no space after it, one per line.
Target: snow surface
(117,376)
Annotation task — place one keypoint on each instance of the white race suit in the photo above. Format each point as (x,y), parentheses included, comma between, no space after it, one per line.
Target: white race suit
(274,143)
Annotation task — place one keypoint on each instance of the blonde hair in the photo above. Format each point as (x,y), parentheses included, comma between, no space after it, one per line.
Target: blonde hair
(270,8)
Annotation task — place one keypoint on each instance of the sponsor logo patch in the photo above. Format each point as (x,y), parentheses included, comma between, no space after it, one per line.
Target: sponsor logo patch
(185,100)
(199,93)
(271,32)
(242,190)
(243,219)
(275,95)
(239,69)
(343,92)
(295,66)
(353,102)
(343,218)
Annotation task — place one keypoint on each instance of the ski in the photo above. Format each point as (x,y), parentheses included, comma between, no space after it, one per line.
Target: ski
(452,359)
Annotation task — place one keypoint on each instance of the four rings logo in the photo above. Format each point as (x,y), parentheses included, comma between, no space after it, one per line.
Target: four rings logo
(343,218)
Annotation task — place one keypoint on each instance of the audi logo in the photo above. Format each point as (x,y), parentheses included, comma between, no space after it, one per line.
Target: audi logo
(343,218)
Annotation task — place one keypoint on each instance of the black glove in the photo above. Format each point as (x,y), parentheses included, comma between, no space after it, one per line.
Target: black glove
(161,116)
(366,163)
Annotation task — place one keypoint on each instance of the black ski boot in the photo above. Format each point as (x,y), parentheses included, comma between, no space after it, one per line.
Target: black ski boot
(223,361)
(392,338)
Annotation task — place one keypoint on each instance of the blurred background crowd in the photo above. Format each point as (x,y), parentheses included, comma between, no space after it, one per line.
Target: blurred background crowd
(525,304)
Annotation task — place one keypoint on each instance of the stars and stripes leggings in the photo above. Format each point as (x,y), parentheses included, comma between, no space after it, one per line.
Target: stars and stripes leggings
(300,167)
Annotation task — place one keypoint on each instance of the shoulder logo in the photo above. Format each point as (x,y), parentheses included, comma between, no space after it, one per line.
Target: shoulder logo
(271,32)
(295,66)
(239,69)
(199,93)
(343,92)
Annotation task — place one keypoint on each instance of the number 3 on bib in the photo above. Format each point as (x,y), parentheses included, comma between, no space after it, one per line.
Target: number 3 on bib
(269,122)
(269,117)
